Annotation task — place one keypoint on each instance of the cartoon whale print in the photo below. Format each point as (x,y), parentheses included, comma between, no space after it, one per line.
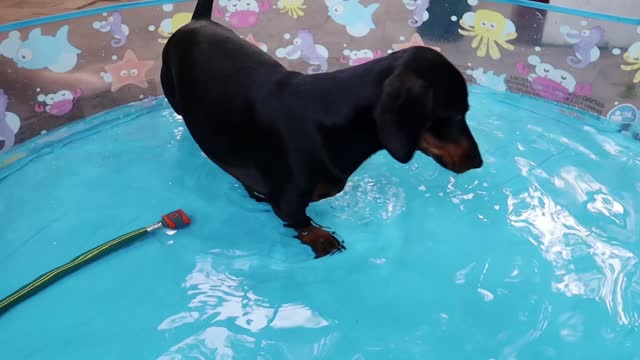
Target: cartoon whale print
(41,51)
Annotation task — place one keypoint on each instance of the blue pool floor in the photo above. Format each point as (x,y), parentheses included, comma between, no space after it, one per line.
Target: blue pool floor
(534,256)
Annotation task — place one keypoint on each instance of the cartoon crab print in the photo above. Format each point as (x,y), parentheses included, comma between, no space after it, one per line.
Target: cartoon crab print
(59,103)
(359,57)
(241,13)
(489,29)
(551,83)
(632,57)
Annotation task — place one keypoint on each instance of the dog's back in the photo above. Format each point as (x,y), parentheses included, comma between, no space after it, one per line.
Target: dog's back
(204,56)
(218,83)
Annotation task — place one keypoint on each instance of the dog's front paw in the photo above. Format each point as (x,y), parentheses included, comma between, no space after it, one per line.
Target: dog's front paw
(321,241)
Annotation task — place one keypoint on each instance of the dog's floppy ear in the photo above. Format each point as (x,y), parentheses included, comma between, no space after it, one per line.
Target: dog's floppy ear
(402,113)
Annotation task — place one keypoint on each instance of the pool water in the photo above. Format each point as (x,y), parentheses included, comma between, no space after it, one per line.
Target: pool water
(534,256)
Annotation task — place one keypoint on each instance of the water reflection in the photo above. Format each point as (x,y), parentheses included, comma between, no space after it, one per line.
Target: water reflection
(212,343)
(570,144)
(572,247)
(511,351)
(366,198)
(230,315)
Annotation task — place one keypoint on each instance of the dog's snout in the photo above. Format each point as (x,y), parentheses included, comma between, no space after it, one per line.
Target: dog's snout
(476,161)
(474,158)
(468,159)
(458,157)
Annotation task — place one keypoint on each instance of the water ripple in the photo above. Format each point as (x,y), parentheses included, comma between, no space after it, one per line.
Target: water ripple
(212,343)
(511,351)
(567,244)
(366,198)
(226,302)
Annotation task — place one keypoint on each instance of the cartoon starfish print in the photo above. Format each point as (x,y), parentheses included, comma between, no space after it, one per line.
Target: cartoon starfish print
(415,40)
(257,43)
(129,71)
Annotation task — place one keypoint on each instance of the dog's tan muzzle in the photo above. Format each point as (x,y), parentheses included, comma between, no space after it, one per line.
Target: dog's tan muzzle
(458,157)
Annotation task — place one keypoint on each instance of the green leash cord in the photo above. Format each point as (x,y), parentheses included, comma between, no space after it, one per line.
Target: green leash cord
(174,220)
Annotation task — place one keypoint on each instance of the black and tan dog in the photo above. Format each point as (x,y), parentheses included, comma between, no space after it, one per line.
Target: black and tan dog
(291,138)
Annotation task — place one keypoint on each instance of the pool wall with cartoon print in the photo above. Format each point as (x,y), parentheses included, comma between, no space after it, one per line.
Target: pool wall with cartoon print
(61,69)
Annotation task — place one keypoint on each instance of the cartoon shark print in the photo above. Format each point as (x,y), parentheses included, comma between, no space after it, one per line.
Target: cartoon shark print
(41,51)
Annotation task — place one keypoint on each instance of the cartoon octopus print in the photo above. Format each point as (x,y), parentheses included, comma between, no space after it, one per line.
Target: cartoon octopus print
(489,29)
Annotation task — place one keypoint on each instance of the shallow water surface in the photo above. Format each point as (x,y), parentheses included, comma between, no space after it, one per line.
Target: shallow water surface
(534,256)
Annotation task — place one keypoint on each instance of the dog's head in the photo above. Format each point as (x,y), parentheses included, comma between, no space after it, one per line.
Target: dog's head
(422,108)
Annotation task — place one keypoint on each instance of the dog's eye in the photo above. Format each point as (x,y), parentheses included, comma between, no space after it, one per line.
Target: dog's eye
(133,72)
(124,73)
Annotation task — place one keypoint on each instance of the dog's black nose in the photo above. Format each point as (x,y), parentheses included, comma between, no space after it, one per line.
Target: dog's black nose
(476,162)
(470,162)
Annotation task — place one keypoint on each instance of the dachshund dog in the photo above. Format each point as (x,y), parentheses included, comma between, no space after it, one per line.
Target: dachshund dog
(292,139)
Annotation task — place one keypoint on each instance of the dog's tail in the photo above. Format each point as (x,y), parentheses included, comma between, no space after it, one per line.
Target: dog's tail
(203,10)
